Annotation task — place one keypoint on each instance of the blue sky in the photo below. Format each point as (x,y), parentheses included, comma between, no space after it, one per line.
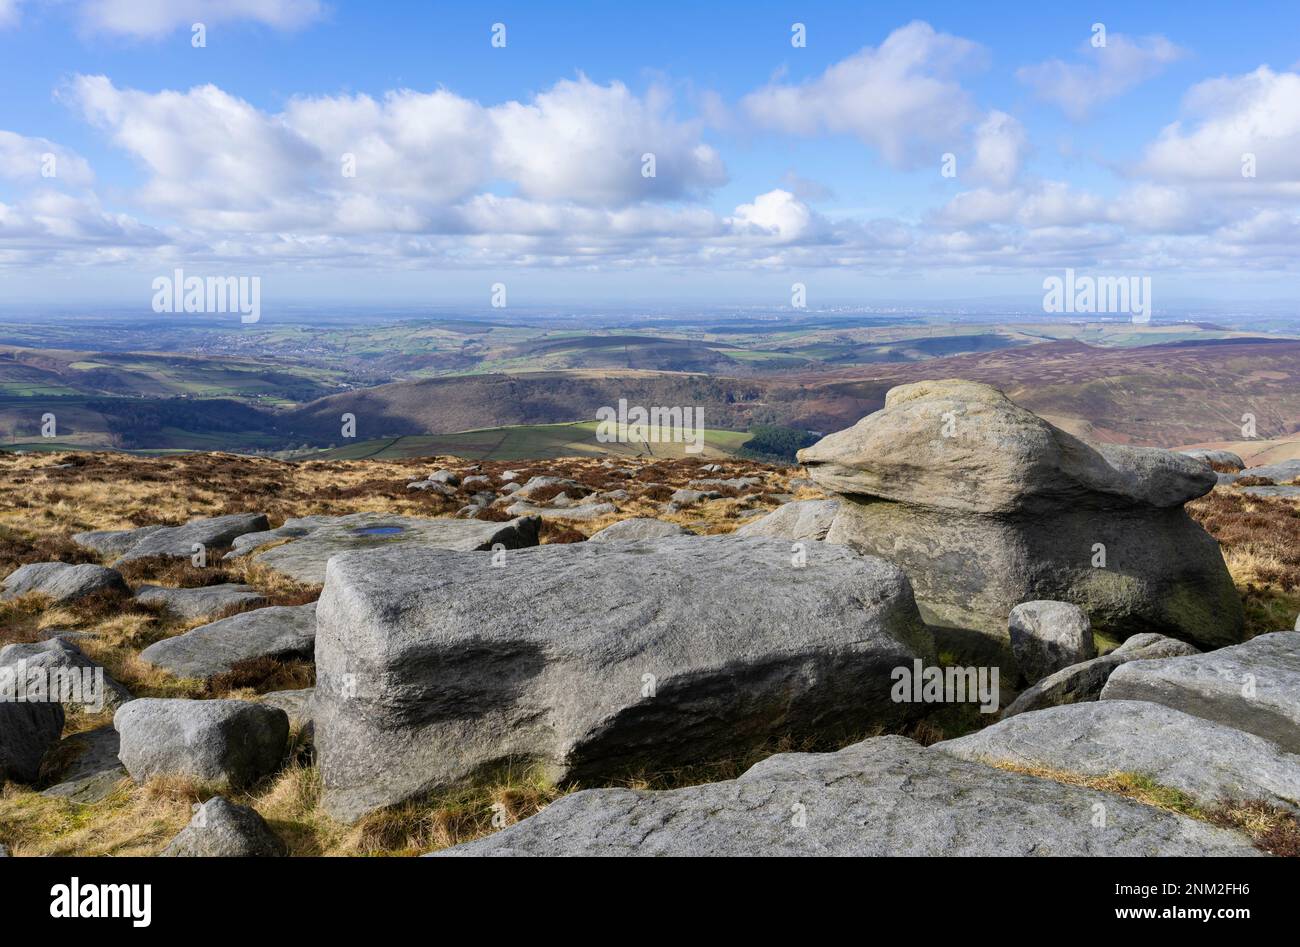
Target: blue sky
(521,164)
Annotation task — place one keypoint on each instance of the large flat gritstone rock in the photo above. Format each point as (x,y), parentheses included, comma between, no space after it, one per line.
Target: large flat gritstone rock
(1253,686)
(114,542)
(66,674)
(1282,472)
(885,796)
(1220,458)
(802,519)
(594,659)
(637,529)
(316,538)
(179,541)
(582,513)
(62,582)
(203,601)
(94,771)
(231,743)
(278,631)
(985,505)
(1206,760)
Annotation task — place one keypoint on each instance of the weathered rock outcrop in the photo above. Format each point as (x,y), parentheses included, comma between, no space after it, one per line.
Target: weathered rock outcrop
(62,582)
(1084,681)
(577,513)
(175,542)
(801,519)
(69,676)
(316,538)
(230,743)
(986,505)
(1049,636)
(590,660)
(277,631)
(222,829)
(1219,458)
(114,542)
(1253,687)
(1282,472)
(203,601)
(885,796)
(1206,760)
(637,529)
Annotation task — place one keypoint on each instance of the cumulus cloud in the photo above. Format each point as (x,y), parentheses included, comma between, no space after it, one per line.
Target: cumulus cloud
(1101,74)
(585,142)
(355,163)
(55,222)
(39,160)
(999,146)
(1047,205)
(150,19)
(901,98)
(419,179)
(777,214)
(1230,117)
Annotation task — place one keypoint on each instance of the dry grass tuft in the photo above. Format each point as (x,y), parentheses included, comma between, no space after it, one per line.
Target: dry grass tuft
(263,675)
(553,532)
(1273,830)
(1269,828)
(1260,538)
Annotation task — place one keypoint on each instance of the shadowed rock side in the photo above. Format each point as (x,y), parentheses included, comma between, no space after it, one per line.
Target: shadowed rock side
(885,796)
(985,505)
(592,660)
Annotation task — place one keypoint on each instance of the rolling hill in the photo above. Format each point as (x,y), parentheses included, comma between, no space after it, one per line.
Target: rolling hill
(1183,392)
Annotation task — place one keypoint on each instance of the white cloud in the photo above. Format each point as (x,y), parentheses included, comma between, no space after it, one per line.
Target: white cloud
(584,142)
(1256,113)
(1103,73)
(39,160)
(900,97)
(555,181)
(217,162)
(153,18)
(55,221)
(999,147)
(777,214)
(1050,205)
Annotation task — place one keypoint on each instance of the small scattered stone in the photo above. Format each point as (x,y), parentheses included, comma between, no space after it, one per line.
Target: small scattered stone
(222,829)
(1048,636)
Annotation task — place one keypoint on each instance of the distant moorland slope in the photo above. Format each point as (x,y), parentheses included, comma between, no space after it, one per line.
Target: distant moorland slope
(1190,391)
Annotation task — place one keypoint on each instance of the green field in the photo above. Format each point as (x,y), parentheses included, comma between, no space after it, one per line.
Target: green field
(525,442)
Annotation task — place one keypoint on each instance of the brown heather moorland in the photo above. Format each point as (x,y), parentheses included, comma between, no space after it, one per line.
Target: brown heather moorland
(45,498)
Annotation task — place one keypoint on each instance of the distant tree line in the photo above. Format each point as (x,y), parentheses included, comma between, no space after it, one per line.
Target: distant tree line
(775,444)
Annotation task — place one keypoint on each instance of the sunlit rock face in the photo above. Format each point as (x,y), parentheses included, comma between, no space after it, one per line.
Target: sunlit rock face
(986,505)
